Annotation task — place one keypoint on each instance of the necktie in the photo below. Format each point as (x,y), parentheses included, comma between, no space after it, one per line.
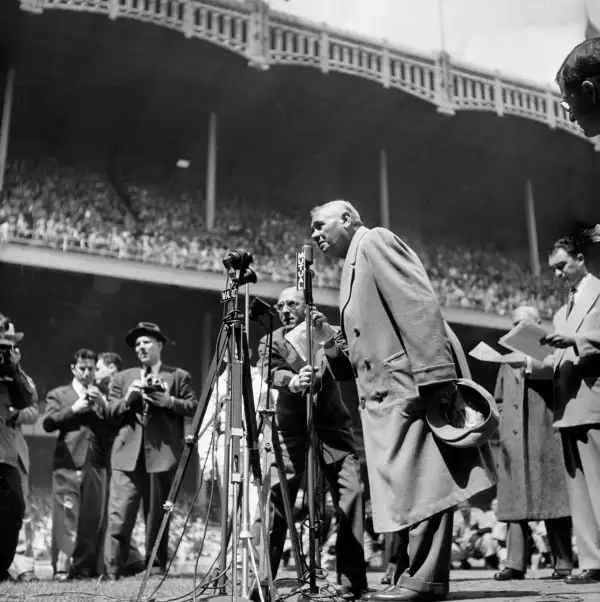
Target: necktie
(571,299)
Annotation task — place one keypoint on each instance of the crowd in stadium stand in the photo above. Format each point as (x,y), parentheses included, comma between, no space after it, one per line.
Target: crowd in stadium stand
(77,209)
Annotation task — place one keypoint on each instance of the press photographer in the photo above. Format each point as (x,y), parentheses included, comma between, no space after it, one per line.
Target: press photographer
(149,403)
(16,393)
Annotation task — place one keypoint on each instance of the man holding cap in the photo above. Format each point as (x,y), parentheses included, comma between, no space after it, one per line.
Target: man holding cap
(149,404)
(395,342)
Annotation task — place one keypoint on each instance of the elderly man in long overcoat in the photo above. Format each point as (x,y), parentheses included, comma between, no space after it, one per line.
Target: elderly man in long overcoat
(532,482)
(401,356)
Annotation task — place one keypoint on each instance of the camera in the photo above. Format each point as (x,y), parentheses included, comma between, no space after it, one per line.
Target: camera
(238,260)
(7,366)
(153,384)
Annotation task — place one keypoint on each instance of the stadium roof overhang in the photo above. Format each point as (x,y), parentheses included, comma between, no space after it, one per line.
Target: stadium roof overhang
(290,130)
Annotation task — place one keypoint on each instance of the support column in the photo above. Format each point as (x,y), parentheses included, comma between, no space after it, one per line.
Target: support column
(211,171)
(9,90)
(534,254)
(384,200)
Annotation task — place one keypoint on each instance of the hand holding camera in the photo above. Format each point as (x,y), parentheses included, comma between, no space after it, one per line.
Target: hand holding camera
(81,405)
(135,393)
(155,392)
(95,397)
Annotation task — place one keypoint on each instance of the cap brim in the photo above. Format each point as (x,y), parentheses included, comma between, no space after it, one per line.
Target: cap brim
(133,335)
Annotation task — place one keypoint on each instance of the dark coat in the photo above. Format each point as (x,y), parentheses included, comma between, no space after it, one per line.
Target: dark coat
(163,436)
(82,437)
(531,469)
(333,423)
(396,346)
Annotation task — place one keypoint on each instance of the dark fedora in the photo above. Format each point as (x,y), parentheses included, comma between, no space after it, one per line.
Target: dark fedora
(145,329)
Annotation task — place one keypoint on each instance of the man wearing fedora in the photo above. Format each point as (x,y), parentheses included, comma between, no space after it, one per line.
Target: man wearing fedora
(395,343)
(149,404)
(16,394)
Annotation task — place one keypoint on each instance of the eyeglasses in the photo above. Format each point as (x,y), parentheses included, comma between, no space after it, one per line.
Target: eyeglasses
(291,304)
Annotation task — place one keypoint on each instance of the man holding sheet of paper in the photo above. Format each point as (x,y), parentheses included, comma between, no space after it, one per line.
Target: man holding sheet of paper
(531,469)
(576,363)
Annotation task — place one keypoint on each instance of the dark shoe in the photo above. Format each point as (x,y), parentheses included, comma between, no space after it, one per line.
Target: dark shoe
(560,574)
(61,577)
(133,569)
(508,574)
(6,576)
(157,571)
(585,577)
(397,593)
(111,577)
(465,565)
(27,577)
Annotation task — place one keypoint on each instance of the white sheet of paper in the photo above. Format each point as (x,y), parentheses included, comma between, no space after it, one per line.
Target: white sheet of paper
(484,353)
(525,338)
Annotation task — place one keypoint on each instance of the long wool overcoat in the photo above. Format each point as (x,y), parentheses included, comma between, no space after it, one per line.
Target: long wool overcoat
(396,345)
(531,468)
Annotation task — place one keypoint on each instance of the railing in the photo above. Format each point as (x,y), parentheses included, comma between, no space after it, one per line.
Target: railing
(269,38)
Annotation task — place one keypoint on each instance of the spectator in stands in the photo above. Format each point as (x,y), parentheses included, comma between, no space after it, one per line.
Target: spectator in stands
(472,537)
(78,412)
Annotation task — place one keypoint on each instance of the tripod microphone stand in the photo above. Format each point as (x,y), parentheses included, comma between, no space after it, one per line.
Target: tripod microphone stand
(304,283)
(231,339)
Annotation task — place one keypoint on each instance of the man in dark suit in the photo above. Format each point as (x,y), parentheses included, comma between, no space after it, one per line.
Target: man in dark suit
(531,468)
(78,412)
(290,374)
(108,364)
(16,394)
(394,341)
(576,363)
(149,404)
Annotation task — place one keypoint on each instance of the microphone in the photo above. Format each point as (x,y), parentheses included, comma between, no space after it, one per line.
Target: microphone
(308,254)
(259,308)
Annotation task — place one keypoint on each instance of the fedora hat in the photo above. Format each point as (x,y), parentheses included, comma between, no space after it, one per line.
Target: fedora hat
(147,329)
(471,394)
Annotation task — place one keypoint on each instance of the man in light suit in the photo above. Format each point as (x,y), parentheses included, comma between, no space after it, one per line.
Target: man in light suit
(149,404)
(576,362)
(394,341)
(78,412)
(23,566)
(291,377)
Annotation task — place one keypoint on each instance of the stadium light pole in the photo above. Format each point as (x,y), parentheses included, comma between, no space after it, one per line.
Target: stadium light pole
(384,199)
(9,89)
(211,171)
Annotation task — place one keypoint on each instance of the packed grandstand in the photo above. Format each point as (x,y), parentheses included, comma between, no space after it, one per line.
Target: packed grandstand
(78,209)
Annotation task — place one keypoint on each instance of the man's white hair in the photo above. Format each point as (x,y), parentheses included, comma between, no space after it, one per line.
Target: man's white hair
(340,207)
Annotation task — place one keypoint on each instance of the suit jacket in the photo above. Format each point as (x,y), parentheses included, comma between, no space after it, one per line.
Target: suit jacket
(82,437)
(28,415)
(15,392)
(577,369)
(396,341)
(162,439)
(531,468)
(333,423)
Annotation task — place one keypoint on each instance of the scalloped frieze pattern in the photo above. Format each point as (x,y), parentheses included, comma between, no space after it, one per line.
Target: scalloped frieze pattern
(270,39)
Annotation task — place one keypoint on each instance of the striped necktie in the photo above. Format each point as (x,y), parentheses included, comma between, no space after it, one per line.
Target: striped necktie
(571,299)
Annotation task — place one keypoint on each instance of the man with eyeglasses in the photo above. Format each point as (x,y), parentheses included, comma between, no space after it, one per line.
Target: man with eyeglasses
(291,376)
(579,81)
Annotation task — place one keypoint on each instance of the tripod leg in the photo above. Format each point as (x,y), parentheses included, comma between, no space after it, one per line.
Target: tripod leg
(190,441)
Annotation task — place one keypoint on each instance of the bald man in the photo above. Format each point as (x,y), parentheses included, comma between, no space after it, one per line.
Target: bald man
(290,374)
(532,484)
(395,342)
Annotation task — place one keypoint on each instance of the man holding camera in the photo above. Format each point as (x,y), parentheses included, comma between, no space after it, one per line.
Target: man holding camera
(78,412)
(16,394)
(291,377)
(149,404)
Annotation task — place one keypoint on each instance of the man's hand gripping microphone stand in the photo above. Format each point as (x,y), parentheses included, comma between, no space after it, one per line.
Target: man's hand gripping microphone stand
(304,283)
